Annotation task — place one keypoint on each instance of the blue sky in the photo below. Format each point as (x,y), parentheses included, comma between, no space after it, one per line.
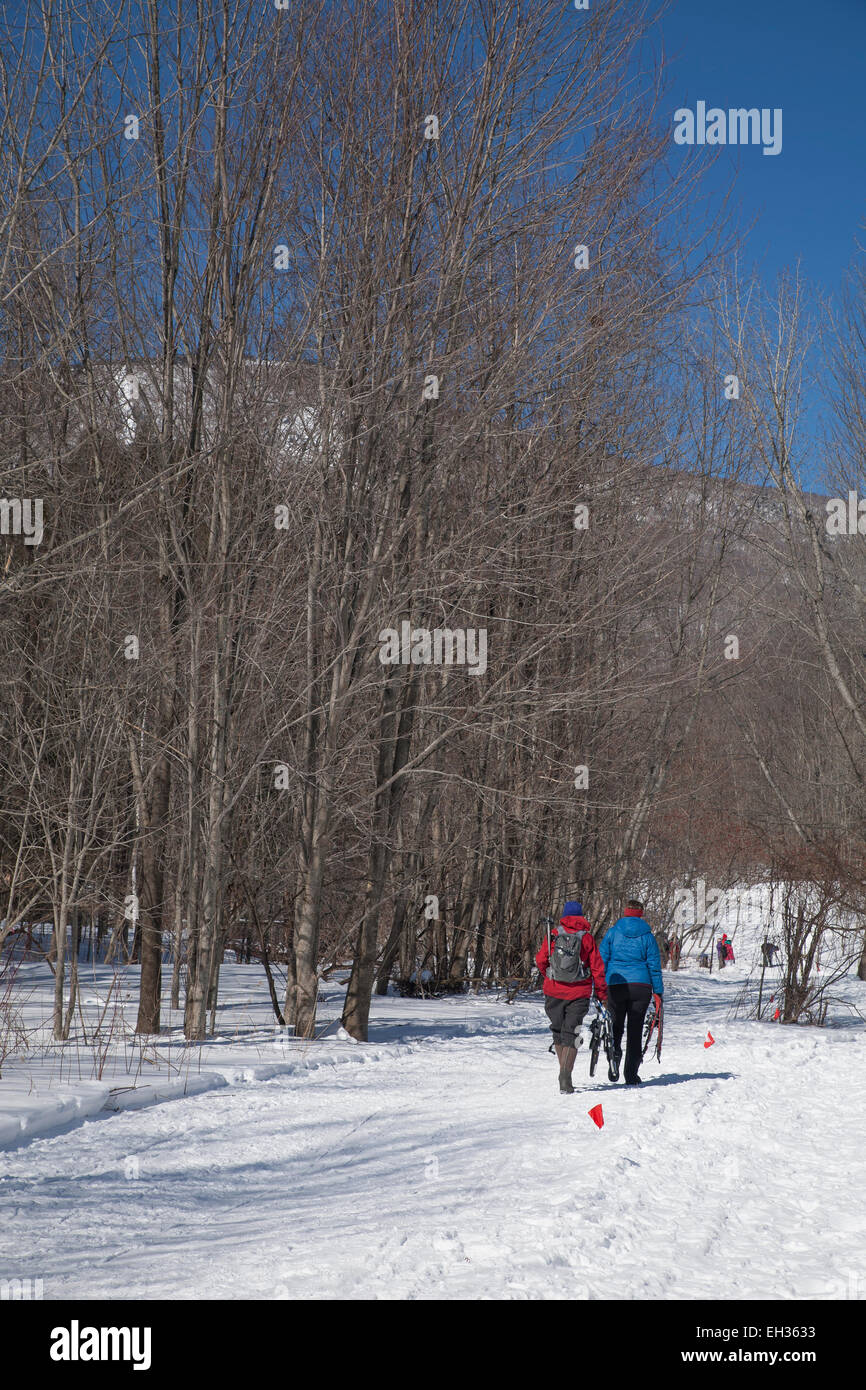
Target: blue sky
(808,203)
(809,58)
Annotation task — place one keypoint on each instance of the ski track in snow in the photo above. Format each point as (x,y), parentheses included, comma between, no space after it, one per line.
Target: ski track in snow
(439,1161)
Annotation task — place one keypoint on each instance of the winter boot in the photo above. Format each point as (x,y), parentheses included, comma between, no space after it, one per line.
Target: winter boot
(614,1064)
(566,1064)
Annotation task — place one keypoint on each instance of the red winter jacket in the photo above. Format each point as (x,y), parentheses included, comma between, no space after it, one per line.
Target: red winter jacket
(588,954)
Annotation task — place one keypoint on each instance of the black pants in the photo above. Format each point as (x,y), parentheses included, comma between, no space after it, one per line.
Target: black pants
(629,1002)
(566,1016)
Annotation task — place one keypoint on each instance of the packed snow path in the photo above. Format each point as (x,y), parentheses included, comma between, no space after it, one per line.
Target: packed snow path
(439,1161)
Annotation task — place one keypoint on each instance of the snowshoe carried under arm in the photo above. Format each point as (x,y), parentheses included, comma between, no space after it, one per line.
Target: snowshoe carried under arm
(601,1036)
(653,1024)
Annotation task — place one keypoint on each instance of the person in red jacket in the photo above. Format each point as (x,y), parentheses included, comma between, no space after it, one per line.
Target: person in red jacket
(569,972)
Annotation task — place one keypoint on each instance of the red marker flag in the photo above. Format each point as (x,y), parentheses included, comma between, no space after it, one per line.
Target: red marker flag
(597,1114)
(776,1014)
(710,1039)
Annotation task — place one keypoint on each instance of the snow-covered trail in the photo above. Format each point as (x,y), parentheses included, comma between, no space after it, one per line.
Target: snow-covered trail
(439,1161)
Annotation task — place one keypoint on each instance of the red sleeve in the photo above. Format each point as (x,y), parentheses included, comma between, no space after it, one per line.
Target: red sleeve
(592,957)
(542,958)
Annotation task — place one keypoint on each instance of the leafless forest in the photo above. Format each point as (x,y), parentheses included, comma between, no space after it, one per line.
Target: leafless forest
(323,320)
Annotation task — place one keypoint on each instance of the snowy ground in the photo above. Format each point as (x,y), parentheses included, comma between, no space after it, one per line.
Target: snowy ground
(439,1160)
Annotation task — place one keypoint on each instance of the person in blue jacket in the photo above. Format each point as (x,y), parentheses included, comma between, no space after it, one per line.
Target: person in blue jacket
(633,970)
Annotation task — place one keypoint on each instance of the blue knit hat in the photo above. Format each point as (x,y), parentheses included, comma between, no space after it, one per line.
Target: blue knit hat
(573,910)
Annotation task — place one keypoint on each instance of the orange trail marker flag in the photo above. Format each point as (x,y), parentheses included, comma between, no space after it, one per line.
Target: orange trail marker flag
(710,1039)
(597,1114)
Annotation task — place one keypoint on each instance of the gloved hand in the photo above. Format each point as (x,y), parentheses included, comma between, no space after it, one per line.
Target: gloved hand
(657,1001)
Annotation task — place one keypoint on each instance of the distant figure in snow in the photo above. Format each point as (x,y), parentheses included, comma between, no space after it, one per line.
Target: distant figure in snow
(729,952)
(675,946)
(569,963)
(722,950)
(768,950)
(633,969)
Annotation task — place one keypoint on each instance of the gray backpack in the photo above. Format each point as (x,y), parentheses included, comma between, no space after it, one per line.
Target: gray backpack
(566,966)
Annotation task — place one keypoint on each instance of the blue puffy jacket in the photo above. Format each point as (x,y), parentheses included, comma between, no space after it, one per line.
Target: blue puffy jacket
(631,955)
